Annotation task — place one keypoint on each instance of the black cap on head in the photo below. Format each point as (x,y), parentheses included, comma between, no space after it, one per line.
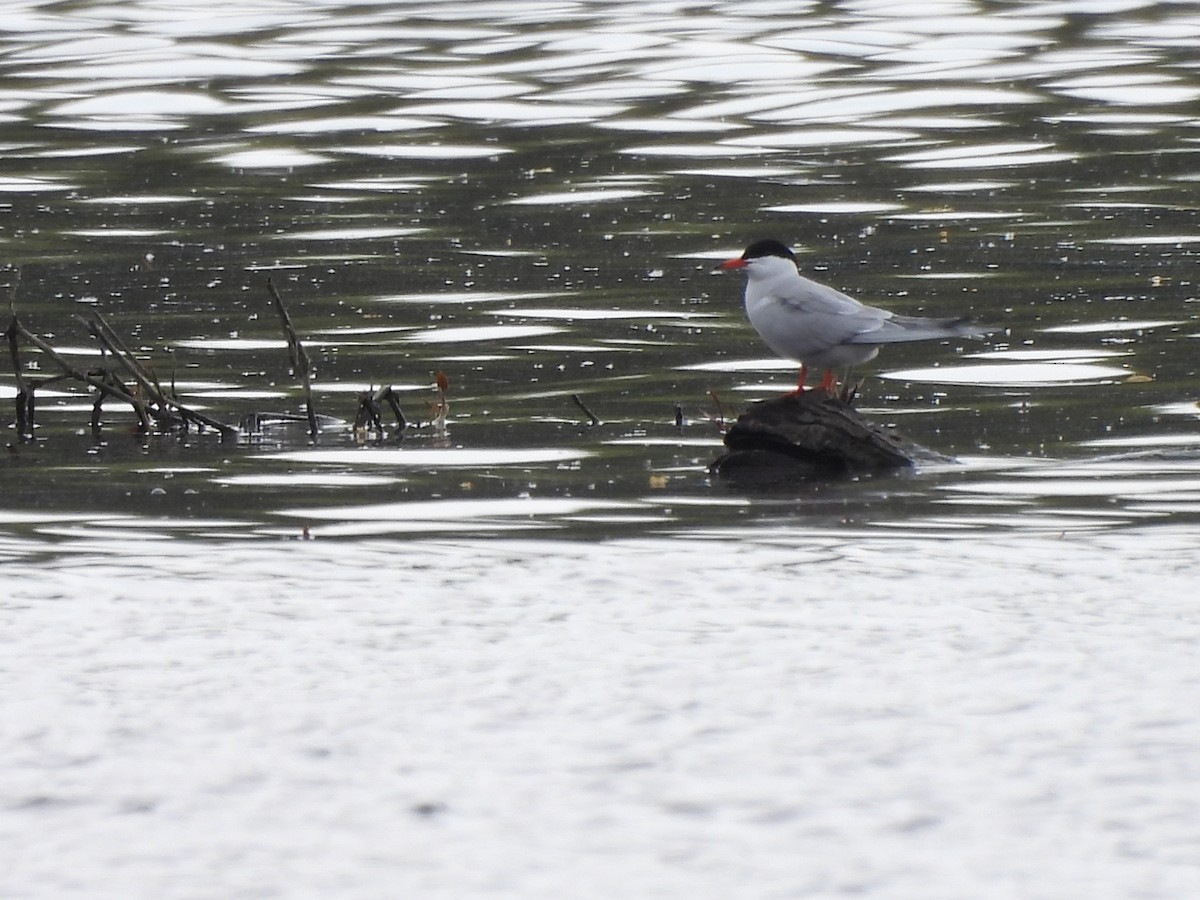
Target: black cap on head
(768,247)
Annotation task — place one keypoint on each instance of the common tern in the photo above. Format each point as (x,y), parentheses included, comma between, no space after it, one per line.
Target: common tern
(815,325)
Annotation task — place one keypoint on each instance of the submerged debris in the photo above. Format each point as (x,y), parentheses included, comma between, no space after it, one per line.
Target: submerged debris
(812,434)
(120,375)
(150,402)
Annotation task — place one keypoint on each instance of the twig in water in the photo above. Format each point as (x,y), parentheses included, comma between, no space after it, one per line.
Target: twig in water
(369,413)
(719,418)
(367,417)
(110,342)
(25,406)
(298,357)
(25,401)
(101,384)
(593,421)
(132,397)
(389,394)
(148,382)
(106,383)
(12,291)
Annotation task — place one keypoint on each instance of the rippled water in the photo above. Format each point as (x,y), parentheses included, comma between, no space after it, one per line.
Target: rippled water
(551,643)
(530,200)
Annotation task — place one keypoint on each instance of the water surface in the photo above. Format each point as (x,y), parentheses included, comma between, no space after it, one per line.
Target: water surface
(542,638)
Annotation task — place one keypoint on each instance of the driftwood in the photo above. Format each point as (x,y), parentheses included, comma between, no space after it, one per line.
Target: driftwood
(166,410)
(298,355)
(812,435)
(370,417)
(105,385)
(25,392)
(148,401)
(159,408)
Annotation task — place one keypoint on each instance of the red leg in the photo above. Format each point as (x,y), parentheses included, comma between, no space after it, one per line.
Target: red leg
(828,382)
(803,377)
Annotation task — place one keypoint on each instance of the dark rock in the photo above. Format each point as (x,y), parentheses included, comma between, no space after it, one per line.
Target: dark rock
(813,435)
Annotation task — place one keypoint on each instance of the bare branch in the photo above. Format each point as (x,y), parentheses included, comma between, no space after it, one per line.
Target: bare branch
(297,355)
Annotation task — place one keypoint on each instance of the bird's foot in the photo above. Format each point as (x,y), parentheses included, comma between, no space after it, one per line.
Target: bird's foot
(801,378)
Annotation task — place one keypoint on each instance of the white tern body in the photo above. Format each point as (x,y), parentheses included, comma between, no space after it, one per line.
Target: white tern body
(819,327)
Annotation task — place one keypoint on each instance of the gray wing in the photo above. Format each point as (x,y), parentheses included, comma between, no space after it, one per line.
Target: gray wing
(895,329)
(830,317)
(815,298)
(838,318)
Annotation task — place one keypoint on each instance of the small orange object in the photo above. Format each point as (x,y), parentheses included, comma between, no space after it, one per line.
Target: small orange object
(443,382)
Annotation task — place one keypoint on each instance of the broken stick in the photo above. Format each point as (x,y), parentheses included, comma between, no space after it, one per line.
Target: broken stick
(297,354)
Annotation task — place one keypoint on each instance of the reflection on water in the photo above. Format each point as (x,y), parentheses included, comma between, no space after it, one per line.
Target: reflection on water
(529,199)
